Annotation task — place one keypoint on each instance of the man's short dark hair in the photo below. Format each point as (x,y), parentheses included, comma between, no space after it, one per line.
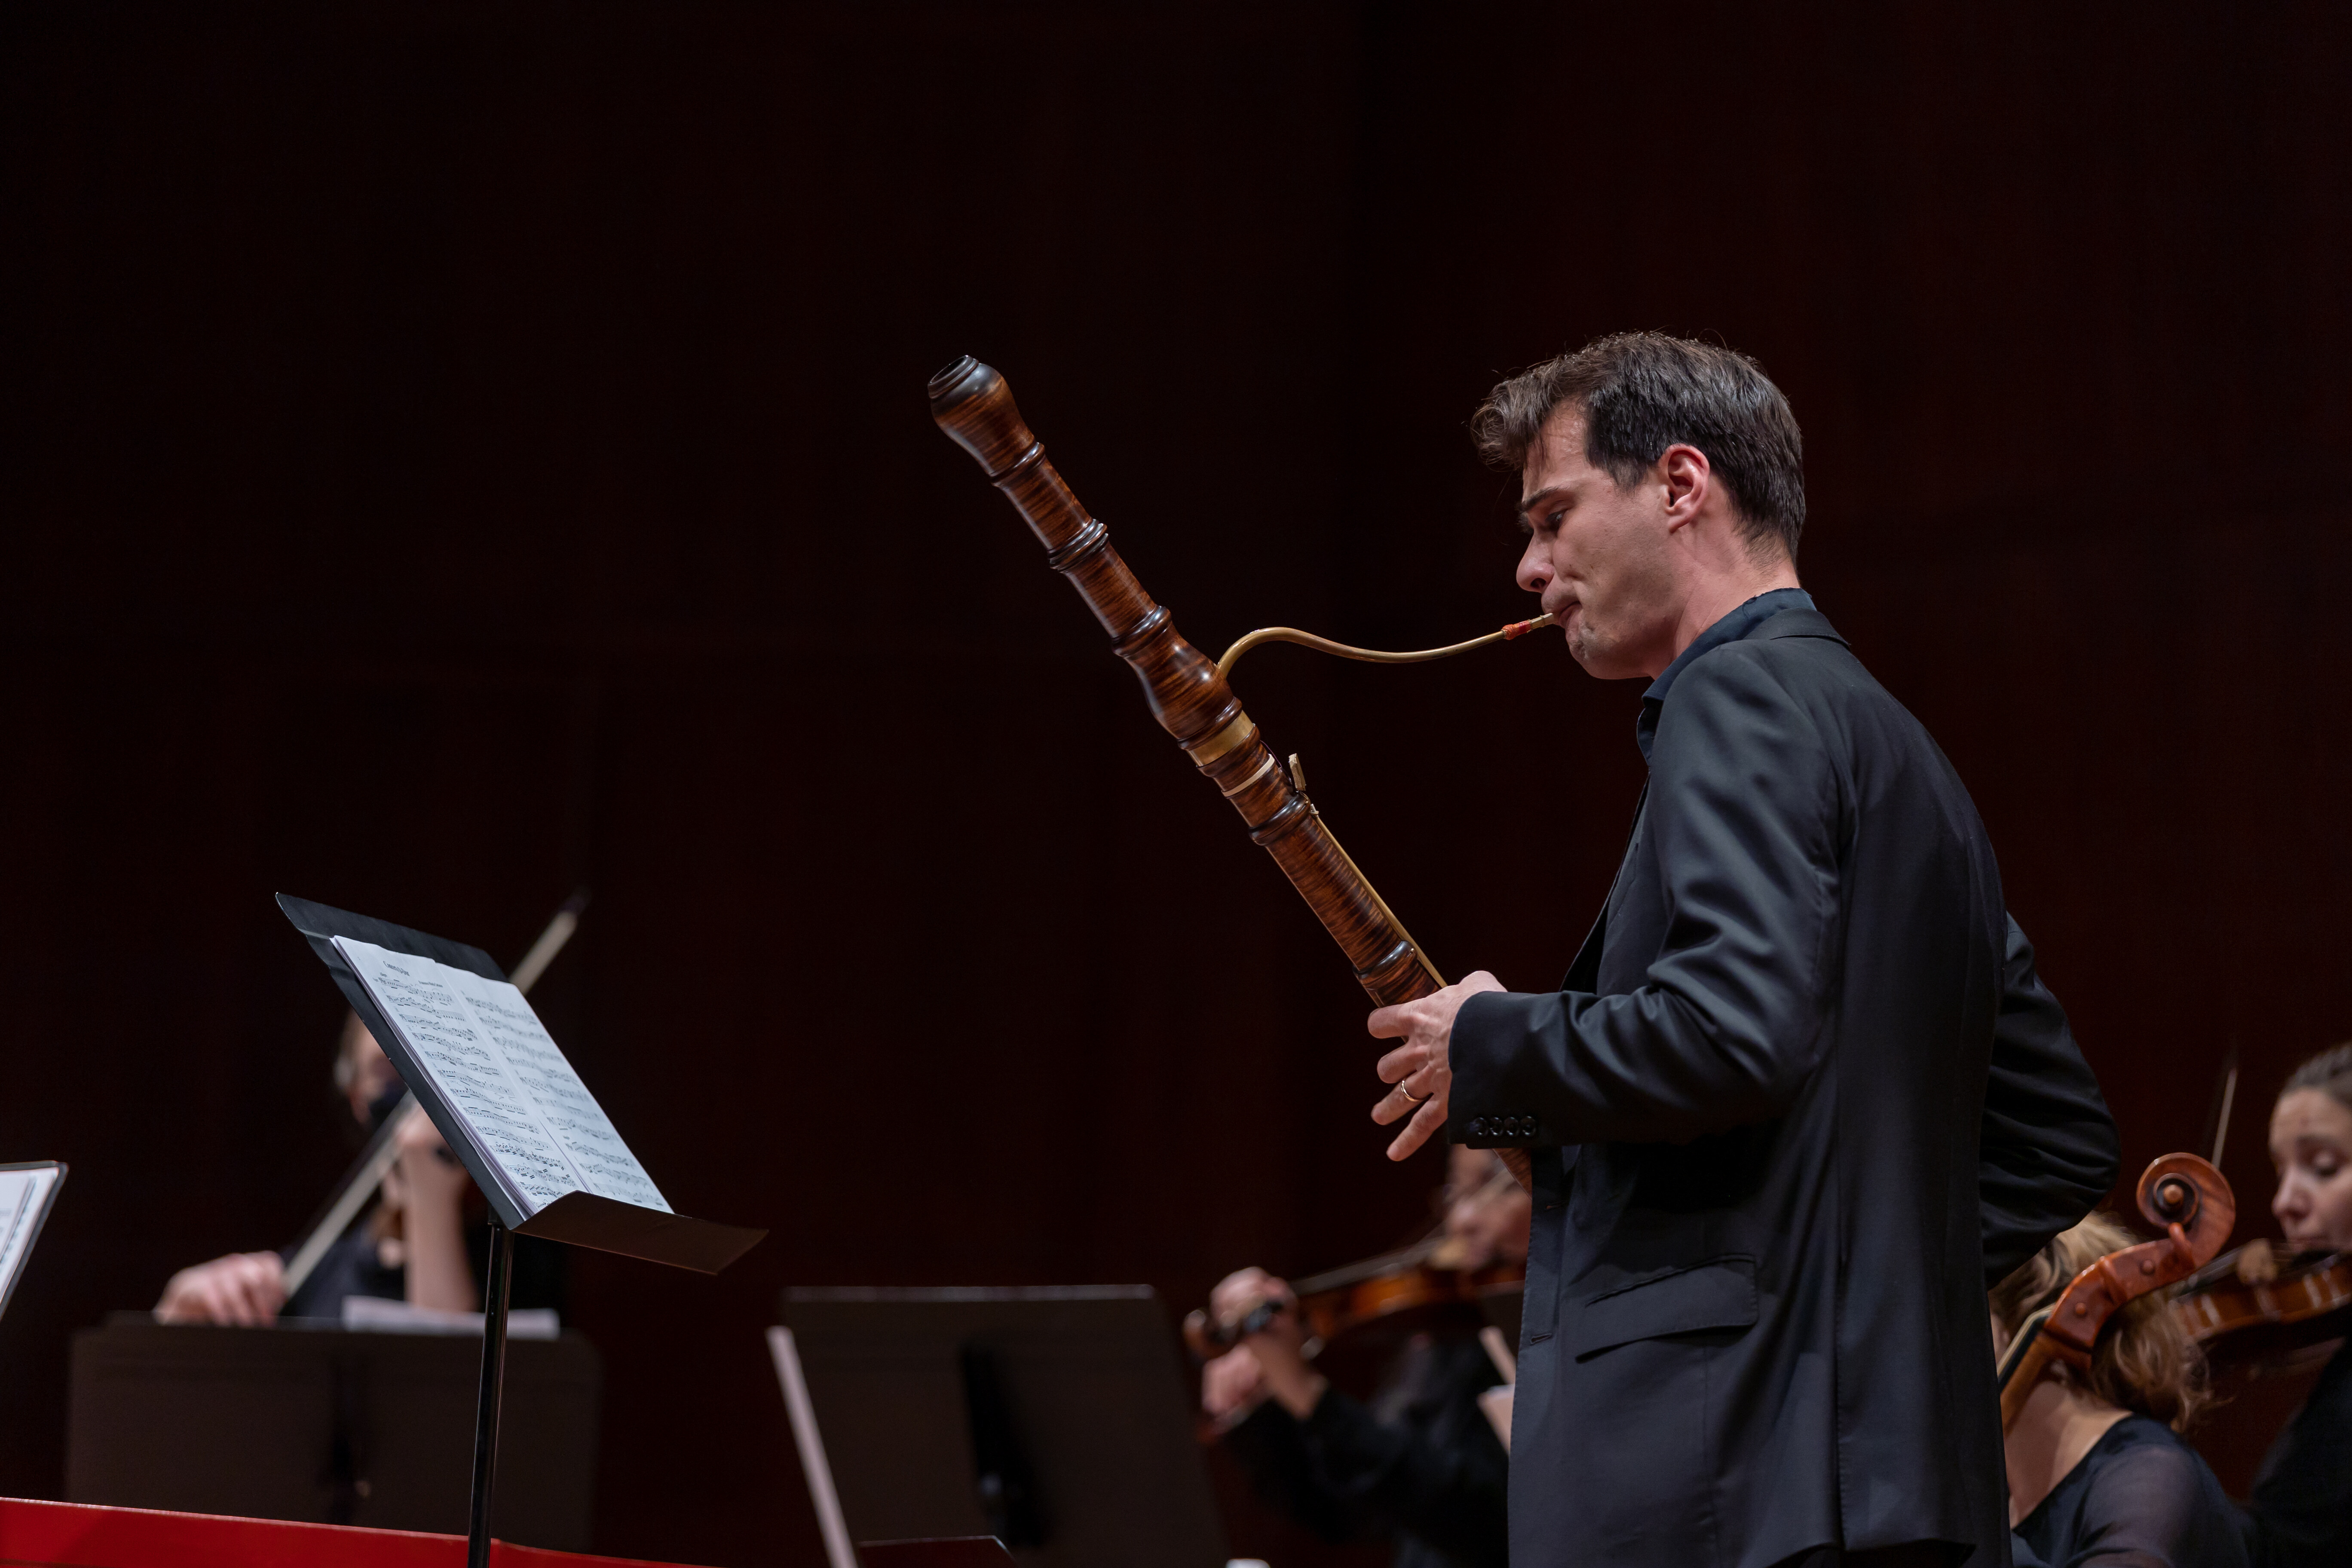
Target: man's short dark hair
(1642,392)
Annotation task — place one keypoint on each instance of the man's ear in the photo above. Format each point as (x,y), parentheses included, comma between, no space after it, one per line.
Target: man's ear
(1689,480)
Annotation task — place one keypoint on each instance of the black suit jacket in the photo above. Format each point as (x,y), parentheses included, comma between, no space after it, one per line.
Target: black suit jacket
(1800,1100)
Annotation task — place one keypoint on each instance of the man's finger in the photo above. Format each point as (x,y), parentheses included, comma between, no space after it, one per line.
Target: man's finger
(1401,1063)
(1419,1131)
(1389,1023)
(1400,1101)
(221,1303)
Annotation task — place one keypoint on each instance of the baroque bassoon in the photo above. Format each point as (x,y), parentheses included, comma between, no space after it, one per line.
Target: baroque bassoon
(1188,692)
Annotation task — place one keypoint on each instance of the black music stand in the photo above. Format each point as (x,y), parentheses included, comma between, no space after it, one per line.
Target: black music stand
(308,1420)
(1055,1419)
(578,1218)
(939,1552)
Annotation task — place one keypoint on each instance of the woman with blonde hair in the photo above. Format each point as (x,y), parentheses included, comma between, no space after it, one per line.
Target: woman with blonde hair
(2097,1471)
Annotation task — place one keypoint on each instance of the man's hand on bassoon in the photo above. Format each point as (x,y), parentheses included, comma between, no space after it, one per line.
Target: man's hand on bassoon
(1421,1068)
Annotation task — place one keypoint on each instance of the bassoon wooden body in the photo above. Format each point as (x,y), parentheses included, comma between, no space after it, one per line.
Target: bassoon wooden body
(1190,700)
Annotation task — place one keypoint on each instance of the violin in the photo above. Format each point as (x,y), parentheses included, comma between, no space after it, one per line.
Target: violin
(1344,1301)
(2193,1204)
(2250,1312)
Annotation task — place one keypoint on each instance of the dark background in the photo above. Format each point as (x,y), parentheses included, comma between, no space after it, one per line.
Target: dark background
(456,453)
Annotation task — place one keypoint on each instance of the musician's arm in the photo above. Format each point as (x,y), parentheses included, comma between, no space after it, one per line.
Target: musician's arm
(432,1190)
(244,1288)
(1442,1482)
(1342,1474)
(2300,1514)
(1729,1023)
(2048,1149)
(1270,1446)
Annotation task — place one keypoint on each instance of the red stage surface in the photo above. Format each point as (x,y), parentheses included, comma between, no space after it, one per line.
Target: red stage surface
(79,1535)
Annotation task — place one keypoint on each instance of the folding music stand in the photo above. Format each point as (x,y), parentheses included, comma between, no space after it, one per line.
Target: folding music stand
(310,1420)
(28,1189)
(1055,1419)
(941,1551)
(579,1218)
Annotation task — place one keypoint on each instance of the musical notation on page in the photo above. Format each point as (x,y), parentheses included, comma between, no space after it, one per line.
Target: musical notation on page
(498,1068)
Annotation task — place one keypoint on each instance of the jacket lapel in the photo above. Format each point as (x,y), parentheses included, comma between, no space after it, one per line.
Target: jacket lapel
(1584,975)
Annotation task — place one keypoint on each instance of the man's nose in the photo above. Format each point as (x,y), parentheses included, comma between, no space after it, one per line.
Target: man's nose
(1534,571)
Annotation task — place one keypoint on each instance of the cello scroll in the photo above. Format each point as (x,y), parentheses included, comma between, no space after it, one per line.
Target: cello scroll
(2191,1202)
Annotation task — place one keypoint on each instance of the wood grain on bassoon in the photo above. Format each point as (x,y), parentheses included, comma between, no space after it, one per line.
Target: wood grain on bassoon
(1190,699)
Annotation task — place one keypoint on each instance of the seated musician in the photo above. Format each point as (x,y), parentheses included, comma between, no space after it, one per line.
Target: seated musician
(411,1246)
(2097,1471)
(1421,1466)
(2300,1514)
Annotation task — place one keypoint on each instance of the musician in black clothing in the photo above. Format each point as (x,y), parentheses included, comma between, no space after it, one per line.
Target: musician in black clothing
(412,1246)
(2300,1515)
(1420,1465)
(2098,1474)
(1801,1096)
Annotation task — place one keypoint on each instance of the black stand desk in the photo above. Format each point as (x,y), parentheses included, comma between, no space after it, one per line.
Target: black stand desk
(492,1397)
(1053,1419)
(318,1423)
(577,1217)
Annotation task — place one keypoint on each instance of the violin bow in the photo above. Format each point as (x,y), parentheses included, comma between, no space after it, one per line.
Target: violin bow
(376,1161)
(2225,1098)
(2181,1195)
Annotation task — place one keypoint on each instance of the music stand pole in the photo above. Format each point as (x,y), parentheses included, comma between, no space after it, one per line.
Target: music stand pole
(486,1413)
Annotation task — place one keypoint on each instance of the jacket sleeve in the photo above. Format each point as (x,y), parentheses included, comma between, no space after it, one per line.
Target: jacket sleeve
(1744,811)
(2048,1152)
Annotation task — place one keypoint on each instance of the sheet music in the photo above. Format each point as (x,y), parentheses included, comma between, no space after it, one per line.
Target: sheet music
(24,1200)
(495,1064)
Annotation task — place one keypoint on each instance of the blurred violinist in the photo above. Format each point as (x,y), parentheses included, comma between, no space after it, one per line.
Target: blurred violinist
(2097,1471)
(1420,1465)
(410,1247)
(2300,1515)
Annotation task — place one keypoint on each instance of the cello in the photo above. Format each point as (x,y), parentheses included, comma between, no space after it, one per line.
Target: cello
(2181,1195)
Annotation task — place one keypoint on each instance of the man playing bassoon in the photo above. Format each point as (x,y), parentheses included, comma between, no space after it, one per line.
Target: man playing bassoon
(1801,1099)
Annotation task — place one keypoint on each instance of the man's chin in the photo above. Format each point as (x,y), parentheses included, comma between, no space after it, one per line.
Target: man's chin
(1600,660)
